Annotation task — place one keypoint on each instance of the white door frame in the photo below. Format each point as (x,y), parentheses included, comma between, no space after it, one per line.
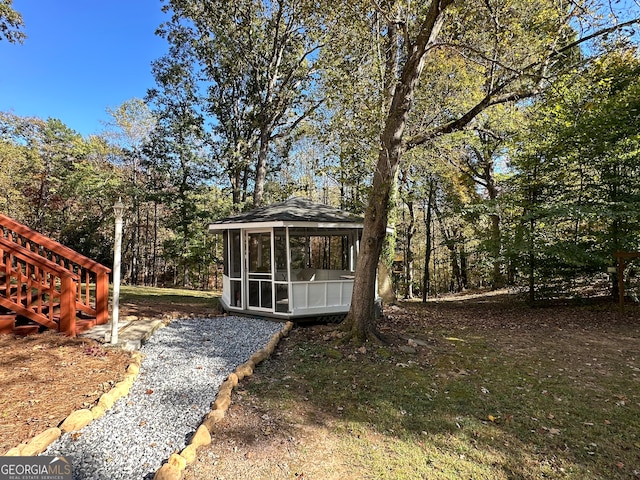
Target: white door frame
(259,277)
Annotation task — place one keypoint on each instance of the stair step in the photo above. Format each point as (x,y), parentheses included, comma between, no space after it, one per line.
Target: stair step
(24,330)
(6,324)
(84,325)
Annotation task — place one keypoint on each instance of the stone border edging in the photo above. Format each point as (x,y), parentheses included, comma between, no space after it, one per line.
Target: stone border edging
(177,462)
(80,418)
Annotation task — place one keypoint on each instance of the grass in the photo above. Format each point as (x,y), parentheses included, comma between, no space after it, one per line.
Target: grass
(154,302)
(553,400)
(130,293)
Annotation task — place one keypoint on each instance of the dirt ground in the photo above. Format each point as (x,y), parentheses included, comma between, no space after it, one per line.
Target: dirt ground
(45,377)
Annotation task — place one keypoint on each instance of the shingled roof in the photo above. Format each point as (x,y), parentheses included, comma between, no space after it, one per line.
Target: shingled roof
(293,210)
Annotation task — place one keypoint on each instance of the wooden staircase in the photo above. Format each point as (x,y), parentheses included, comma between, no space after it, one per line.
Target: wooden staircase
(45,285)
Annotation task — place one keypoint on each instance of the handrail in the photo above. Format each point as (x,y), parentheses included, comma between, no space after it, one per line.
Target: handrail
(52,245)
(41,262)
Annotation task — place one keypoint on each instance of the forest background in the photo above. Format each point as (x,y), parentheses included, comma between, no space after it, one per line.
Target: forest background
(259,100)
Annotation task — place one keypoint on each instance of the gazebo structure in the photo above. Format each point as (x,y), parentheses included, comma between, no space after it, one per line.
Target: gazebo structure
(289,260)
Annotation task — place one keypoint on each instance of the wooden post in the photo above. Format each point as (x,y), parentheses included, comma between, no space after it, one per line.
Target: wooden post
(102,298)
(68,306)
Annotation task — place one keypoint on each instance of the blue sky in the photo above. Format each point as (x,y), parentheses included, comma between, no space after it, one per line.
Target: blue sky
(80,57)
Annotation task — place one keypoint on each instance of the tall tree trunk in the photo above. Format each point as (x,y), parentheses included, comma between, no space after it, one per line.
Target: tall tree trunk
(411,230)
(236,189)
(488,181)
(135,227)
(146,248)
(261,169)
(614,195)
(497,277)
(455,284)
(533,198)
(532,267)
(43,196)
(245,184)
(615,234)
(360,322)
(428,212)
(451,242)
(154,268)
(464,273)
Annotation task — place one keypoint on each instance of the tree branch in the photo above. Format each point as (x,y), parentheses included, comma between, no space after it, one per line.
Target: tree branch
(298,120)
(499,96)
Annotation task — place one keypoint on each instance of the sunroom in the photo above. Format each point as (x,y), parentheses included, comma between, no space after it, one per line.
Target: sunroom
(290,260)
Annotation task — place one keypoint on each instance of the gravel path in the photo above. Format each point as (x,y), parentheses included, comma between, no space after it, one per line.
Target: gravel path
(184,365)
